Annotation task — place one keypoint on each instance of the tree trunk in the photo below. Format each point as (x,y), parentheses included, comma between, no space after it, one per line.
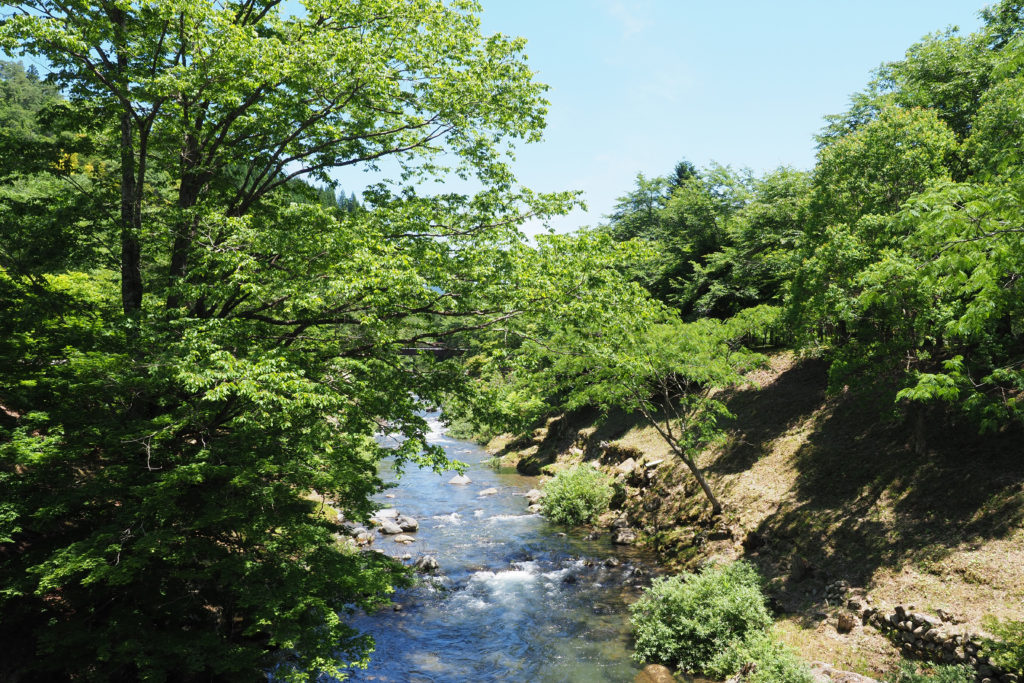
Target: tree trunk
(716,507)
(188,195)
(131,223)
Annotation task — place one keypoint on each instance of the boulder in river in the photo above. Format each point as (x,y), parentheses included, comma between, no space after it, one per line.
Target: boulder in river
(426,564)
(460,480)
(386,513)
(533,495)
(488,492)
(364,538)
(404,538)
(534,509)
(624,536)
(389,527)
(407,523)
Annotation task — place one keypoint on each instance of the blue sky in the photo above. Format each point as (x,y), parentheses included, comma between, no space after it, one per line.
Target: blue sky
(637,85)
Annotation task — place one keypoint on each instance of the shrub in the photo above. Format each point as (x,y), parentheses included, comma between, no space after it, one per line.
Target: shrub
(773,661)
(693,620)
(577,495)
(1006,650)
(953,673)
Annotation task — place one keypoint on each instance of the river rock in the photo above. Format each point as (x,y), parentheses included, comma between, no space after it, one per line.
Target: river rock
(390,528)
(426,564)
(404,538)
(488,492)
(407,523)
(533,495)
(655,673)
(534,509)
(364,538)
(624,536)
(460,480)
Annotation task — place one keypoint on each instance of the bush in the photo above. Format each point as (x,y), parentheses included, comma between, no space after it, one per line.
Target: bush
(953,673)
(577,495)
(1006,650)
(773,661)
(693,620)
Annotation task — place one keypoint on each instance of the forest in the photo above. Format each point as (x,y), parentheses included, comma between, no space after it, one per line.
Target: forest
(202,333)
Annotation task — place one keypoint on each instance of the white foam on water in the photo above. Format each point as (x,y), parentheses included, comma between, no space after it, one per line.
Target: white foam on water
(476,604)
(502,518)
(435,428)
(503,581)
(478,513)
(454,519)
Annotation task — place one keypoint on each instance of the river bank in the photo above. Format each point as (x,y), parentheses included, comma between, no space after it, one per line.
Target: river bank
(830,500)
(513,596)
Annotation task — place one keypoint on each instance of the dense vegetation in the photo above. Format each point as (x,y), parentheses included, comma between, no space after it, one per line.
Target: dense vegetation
(899,255)
(199,337)
(714,623)
(199,340)
(898,258)
(577,495)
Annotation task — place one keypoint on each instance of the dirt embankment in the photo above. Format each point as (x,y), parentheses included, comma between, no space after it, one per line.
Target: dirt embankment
(820,489)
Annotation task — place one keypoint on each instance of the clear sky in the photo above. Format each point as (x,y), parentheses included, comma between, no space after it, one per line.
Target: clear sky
(637,85)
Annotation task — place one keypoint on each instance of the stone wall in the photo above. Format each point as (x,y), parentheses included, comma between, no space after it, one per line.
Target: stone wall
(939,639)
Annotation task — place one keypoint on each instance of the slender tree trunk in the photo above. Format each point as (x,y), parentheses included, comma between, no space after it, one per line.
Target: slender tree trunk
(131,222)
(716,507)
(666,434)
(188,196)
(132,179)
(193,181)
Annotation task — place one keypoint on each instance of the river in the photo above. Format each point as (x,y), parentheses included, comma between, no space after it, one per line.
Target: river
(516,598)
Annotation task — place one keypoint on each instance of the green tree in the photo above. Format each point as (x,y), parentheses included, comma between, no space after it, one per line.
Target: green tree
(592,338)
(875,169)
(758,255)
(170,404)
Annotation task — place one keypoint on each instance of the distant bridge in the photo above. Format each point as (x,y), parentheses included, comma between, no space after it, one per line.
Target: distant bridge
(439,352)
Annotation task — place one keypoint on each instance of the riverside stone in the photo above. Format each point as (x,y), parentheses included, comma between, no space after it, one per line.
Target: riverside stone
(390,528)
(404,538)
(626,467)
(426,564)
(624,536)
(488,492)
(655,673)
(407,523)
(460,480)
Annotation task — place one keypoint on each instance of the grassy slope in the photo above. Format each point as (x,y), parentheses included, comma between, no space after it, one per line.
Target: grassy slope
(932,516)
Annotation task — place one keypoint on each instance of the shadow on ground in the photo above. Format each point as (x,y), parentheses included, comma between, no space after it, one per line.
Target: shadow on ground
(871,492)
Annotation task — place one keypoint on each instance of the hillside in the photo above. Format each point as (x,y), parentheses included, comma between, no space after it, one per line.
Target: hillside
(820,489)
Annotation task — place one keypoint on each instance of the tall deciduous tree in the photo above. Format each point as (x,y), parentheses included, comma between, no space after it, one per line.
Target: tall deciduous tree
(610,345)
(166,420)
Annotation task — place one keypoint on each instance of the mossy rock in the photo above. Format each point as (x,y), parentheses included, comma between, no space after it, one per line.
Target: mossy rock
(534,463)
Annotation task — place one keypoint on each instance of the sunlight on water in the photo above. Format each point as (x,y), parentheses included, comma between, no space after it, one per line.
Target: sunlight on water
(515,600)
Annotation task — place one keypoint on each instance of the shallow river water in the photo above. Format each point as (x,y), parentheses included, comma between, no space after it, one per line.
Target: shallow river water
(516,598)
